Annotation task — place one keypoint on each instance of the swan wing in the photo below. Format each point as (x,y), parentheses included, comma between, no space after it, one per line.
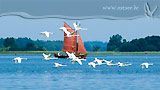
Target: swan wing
(45,56)
(48,56)
(65,30)
(73,56)
(79,61)
(19,60)
(75,26)
(146,66)
(47,35)
(94,65)
(56,64)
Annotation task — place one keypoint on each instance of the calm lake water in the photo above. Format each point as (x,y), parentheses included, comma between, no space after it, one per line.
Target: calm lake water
(37,74)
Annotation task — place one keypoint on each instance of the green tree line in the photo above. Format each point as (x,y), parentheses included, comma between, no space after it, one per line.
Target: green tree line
(27,44)
(149,43)
(116,43)
(20,44)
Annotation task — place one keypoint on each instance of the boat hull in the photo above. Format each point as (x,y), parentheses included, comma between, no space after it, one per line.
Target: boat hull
(81,55)
(77,55)
(60,56)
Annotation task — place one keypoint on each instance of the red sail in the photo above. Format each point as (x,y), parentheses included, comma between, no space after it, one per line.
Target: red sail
(70,43)
(81,48)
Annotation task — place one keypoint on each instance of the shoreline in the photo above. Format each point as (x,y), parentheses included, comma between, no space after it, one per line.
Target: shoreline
(89,53)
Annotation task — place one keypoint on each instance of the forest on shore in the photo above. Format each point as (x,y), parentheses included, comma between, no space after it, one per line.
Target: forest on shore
(115,43)
(27,44)
(149,43)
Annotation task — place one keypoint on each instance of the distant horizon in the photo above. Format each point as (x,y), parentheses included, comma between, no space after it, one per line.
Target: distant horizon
(63,40)
(43,40)
(82,40)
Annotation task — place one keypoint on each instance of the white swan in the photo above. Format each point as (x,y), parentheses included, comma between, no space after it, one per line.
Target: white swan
(69,34)
(78,60)
(77,26)
(48,57)
(123,64)
(110,63)
(71,55)
(146,65)
(92,64)
(47,34)
(58,65)
(74,58)
(19,59)
(99,62)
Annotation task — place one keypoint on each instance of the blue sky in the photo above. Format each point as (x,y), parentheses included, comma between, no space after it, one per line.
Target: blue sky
(98,29)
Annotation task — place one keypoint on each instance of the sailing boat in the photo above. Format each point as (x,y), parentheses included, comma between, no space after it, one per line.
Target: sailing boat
(70,44)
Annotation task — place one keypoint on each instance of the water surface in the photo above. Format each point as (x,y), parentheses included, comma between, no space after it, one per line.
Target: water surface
(38,74)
